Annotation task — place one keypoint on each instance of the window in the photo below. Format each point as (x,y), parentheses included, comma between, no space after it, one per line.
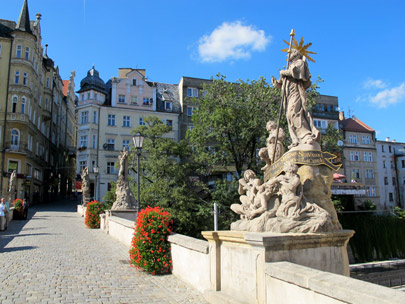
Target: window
(370,173)
(354,156)
(391,196)
(356,173)
(17,77)
(370,191)
(321,124)
(190,111)
(384,166)
(126,122)
(30,142)
(382,148)
(389,149)
(110,167)
(12,165)
(95,117)
(125,144)
(134,99)
(14,106)
(140,90)
(403,180)
(121,98)
(403,163)
(84,117)
(88,96)
(40,102)
(147,101)
(27,53)
(94,141)
(365,139)
(111,144)
(169,122)
(47,82)
(111,120)
(83,141)
(95,96)
(134,82)
(39,123)
(168,106)
(19,51)
(353,139)
(192,92)
(392,164)
(82,165)
(385,180)
(368,157)
(34,117)
(25,79)
(0,49)
(28,169)
(47,104)
(15,139)
(394,181)
(141,122)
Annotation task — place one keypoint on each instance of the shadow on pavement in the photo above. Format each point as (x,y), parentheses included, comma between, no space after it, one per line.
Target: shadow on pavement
(11,249)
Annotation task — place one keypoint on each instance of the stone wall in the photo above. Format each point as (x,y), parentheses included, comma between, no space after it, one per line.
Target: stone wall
(291,283)
(119,228)
(191,261)
(235,267)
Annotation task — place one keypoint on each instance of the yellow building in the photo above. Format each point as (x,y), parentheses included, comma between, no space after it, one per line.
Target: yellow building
(30,102)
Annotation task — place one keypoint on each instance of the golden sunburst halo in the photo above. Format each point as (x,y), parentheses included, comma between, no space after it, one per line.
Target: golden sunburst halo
(303,49)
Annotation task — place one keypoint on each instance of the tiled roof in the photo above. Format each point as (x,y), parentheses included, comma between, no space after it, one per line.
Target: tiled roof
(65,87)
(356,125)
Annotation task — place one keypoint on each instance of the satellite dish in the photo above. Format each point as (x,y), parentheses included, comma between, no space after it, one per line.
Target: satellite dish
(340,143)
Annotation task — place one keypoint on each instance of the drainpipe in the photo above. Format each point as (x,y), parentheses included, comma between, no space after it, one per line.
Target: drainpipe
(5,119)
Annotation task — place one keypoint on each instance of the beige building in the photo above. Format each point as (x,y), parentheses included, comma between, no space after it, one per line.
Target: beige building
(107,115)
(31,95)
(359,159)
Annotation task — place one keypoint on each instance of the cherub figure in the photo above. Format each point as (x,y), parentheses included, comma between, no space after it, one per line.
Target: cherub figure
(266,153)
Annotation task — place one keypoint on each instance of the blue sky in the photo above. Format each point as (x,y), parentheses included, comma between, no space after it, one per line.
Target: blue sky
(359,44)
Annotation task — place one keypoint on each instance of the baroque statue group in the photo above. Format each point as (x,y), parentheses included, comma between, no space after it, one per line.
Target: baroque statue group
(295,195)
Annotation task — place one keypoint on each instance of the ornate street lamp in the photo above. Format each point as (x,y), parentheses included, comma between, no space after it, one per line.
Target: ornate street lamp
(138,142)
(95,170)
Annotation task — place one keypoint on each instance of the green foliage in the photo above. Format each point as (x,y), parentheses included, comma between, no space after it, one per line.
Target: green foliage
(376,238)
(399,212)
(232,117)
(93,211)
(338,205)
(368,205)
(110,197)
(165,170)
(150,249)
(330,139)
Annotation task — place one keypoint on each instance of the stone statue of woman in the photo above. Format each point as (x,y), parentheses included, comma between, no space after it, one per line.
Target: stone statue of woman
(293,82)
(123,170)
(266,153)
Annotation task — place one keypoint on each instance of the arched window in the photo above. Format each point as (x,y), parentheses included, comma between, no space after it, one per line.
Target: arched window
(14,105)
(23,105)
(15,138)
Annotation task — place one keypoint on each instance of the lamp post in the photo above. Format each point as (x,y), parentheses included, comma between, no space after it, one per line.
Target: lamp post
(95,170)
(138,142)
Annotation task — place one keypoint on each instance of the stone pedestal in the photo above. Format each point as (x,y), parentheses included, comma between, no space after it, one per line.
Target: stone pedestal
(238,259)
(128,214)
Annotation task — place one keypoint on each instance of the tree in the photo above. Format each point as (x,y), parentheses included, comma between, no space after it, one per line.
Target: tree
(232,117)
(165,169)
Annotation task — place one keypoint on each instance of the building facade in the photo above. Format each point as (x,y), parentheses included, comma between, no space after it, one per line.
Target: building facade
(31,95)
(108,114)
(359,159)
(391,173)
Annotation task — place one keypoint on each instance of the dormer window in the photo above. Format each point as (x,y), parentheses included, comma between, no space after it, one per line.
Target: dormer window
(168,106)
(134,82)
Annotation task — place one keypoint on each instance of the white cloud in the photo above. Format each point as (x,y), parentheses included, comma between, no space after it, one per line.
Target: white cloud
(231,41)
(389,96)
(374,84)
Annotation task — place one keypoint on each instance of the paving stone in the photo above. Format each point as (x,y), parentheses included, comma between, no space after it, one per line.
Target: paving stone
(53,258)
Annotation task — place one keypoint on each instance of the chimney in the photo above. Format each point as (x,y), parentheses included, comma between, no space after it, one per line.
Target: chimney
(341,115)
(387,139)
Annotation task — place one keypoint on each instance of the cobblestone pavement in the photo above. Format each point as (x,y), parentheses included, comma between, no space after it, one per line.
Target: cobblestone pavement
(53,258)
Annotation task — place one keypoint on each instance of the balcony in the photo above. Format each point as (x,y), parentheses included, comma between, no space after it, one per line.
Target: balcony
(17,147)
(348,189)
